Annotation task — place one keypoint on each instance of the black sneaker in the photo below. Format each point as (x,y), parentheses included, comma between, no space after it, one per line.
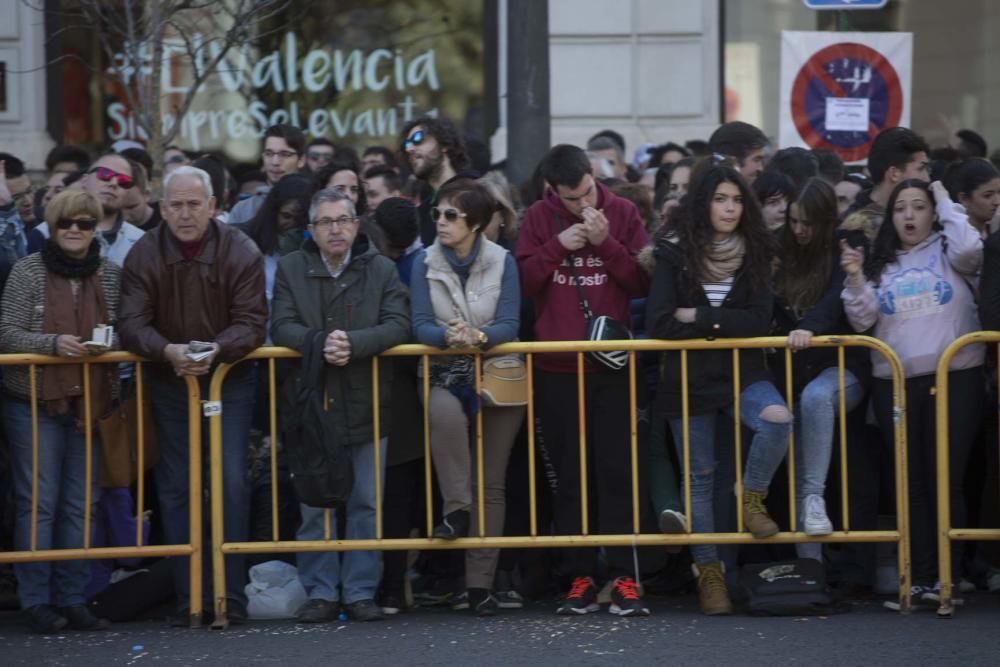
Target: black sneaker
(625,600)
(81,618)
(460,602)
(482,602)
(581,599)
(236,613)
(453,526)
(364,610)
(317,611)
(44,619)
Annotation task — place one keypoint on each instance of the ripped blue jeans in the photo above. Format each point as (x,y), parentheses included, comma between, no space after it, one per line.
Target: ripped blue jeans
(767,449)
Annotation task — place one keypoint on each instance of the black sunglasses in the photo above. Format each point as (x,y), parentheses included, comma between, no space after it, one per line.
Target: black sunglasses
(85,225)
(450,214)
(414,139)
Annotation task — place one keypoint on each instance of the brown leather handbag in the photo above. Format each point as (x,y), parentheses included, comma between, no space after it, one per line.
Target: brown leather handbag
(119,431)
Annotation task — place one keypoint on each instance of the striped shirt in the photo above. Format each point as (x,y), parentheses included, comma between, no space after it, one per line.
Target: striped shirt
(717,291)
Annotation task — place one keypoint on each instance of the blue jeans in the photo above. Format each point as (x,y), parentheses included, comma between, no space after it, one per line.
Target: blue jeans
(357,572)
(62,459)
(170,412)
(767,449)
(815,419)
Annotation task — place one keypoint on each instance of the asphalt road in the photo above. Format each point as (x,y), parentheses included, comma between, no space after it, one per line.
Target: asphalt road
(674,634)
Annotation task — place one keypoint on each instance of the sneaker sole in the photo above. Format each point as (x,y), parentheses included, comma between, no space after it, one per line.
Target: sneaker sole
(390,611)
(578,611)
(618,611)
(818,531)
(510,605)
(671,524)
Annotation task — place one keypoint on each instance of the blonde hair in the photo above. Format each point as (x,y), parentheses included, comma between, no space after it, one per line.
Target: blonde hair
(866,221)
(71,203)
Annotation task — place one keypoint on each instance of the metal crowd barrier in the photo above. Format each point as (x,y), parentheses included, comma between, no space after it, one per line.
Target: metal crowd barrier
(634,537)
(946,532)
(191,550)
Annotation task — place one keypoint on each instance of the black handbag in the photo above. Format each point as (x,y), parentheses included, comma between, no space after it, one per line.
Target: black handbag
(319,465)
(787,588)
(601,327)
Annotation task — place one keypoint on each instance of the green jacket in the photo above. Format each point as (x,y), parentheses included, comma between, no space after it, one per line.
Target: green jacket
(368,302)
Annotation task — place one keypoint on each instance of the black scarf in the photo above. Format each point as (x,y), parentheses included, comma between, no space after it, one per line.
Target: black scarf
(61,264)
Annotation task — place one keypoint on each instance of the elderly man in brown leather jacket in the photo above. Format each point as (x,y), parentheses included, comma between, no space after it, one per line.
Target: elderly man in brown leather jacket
(196,280)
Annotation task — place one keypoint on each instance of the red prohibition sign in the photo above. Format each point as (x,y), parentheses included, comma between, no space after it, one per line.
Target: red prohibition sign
(813,73)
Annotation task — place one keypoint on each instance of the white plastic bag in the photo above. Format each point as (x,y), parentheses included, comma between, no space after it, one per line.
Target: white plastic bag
(274,591)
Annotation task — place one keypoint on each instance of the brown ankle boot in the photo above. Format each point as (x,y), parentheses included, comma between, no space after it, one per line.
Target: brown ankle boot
(712,593)
(755,516)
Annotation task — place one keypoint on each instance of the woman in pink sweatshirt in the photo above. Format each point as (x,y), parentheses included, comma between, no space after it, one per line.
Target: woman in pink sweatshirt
(916,293)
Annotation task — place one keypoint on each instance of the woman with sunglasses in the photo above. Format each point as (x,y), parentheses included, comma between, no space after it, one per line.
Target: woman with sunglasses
(713,280)
(53,301)
(465,293)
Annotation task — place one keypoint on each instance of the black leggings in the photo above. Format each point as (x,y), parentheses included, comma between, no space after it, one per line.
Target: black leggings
(966,396)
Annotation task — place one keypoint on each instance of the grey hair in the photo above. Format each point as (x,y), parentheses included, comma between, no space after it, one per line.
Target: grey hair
(604,144)
(186,170)
(329,196)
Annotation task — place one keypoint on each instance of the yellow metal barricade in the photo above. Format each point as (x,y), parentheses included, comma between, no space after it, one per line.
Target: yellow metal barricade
(630,535)
(946,532)
(192,549)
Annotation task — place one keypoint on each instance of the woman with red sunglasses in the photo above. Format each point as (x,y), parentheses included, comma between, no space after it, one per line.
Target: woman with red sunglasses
(53,301)
(465,293)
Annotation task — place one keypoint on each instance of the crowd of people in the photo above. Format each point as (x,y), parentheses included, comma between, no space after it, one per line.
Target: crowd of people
(356,254)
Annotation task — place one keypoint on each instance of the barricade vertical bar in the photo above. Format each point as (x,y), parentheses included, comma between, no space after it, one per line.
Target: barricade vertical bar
(140,472)
(34,456)
(902,481)
(377,436)
(194,507)
(945,604)
(428,497)
(633,440)
(738,439)
(532,491)
(272,411)
(582,425)
(790,398)
(88,443)
(686,438)
(480,492)
(218,521)
(844,505)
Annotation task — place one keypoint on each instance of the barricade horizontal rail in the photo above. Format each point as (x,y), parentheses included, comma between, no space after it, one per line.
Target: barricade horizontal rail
(946,532)
(192,549)
(269,355)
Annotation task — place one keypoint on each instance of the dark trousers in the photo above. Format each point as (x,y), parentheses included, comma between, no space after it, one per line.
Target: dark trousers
(609,467)
(402,511)
(965,406)
(170,412)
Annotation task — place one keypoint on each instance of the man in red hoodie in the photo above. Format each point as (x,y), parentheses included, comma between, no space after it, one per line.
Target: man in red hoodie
(582,222)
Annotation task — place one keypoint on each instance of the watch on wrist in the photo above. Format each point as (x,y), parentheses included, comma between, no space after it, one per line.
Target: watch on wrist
(483,339)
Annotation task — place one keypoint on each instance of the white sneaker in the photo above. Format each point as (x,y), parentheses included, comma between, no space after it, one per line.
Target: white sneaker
(993,580)
(816,522)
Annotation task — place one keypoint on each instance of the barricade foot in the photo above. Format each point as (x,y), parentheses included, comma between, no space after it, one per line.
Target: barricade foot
(946,610)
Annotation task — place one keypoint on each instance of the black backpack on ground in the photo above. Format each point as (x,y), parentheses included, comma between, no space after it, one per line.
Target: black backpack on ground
(787,588)
(319,465)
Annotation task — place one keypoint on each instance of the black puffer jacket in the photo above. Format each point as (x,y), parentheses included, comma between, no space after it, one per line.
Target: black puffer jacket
(826,318)
(745,313)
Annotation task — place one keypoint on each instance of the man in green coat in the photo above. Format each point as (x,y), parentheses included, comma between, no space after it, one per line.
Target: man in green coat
(338,283)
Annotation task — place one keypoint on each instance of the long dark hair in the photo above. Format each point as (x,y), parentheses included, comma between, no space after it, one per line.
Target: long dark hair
(264,226)
(693,224)
(886,242)
(805,271)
